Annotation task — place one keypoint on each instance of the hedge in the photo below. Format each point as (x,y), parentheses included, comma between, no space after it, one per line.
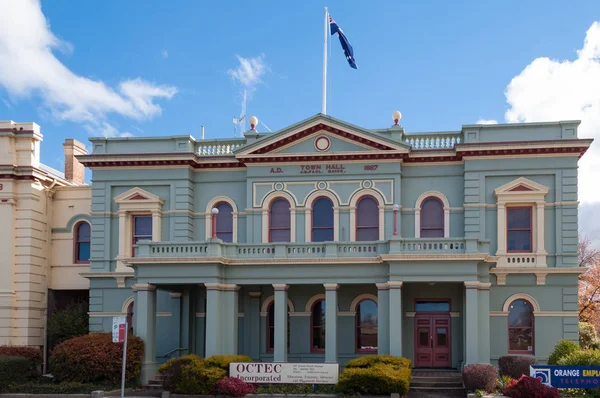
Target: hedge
(191,375)
(70,387)
(378,379)
(581,358)
(94,358)
(32,353)
(223,361)
(515,366)
(480,376)
(561,350)
(368,361)
(15,370)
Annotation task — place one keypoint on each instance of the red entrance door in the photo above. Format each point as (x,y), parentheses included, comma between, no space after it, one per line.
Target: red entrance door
(432,341)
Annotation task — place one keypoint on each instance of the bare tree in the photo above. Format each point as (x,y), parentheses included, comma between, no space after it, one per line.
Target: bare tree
(586,254)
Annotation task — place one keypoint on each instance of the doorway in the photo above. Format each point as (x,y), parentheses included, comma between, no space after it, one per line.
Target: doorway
(432,340)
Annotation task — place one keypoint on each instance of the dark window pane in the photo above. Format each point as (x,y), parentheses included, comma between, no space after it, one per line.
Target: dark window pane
(432,233)
(432,306)
(318,314)
(520,339)
(322,213)
(279,221)
(367,314)
(520,314)
(424,337)
(519,217)
(519,240)
(271,314)
(280,235)
(319,338)
(432,214)
(367,213)
(367,234)
(83,251)
(322,234)
(143,226)
(225,236)
(367,338)
(442,339)
(271,338)
(225,222)
(83,232)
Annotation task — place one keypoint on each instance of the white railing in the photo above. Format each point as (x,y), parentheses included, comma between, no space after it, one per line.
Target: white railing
(445,141)
(218,147)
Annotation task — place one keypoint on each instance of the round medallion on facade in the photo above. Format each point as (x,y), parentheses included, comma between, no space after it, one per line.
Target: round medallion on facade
(321,185)
(279,186)
(367,184)
(322,143)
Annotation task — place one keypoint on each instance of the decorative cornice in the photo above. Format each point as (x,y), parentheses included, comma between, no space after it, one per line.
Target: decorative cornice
(144,287)
(280,287)
(331,286)
(382,286)
(395,284)
(540,273)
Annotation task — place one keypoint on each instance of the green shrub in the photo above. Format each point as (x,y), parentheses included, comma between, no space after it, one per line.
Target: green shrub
(588,336)
(581,358)
(480,376)
(368,361)
(70,387)
(515,366)
(223,361)
(15,370)
(378,379)
(191,375)
(32,353)
(94,358)
(562,349)
(71,322)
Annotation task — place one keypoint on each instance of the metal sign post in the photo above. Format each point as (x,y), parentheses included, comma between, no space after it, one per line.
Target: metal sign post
(124,362)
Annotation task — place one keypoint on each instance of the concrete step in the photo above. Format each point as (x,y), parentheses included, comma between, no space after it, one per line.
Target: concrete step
(458,384)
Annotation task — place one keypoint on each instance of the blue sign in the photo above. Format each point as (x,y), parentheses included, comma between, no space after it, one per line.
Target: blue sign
(567,376)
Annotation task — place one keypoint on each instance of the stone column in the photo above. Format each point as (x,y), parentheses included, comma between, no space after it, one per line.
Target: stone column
(484,322)
(177,320)
(252,319)
(331,305)
(229,319)
(383,319)
(281,323)
(185,311)
(212,320)
(472,323)
(395,311)
(146,328)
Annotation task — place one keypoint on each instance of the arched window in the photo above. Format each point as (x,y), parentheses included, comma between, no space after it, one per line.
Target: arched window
(130,318)
(225,222)
(271,328)
(322,220)
(279,221)
(367,219)
(366,326)
(317,326)
(520,327)
(432,218)
(82,242)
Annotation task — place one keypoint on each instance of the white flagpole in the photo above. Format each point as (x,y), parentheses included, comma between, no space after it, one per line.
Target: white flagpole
(324,109)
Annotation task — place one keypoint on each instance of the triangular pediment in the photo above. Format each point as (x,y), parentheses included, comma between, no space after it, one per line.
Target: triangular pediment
(321,135)
(138,195)
(521,185)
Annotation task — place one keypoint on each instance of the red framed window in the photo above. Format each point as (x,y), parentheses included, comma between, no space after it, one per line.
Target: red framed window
(317,326)
(518,229)
(279,221)
(520,327)
(322,220)
(142,229)
(432,218)
(367,219)
(271,328)
(225,222)
(366,326)
(82,243)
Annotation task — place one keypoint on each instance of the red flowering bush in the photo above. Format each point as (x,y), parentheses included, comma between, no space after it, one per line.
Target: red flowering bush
(527,387)
(515,366)
(234,387)
(480,376)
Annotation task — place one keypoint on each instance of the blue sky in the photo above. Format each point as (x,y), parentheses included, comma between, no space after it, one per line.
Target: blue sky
(442,64)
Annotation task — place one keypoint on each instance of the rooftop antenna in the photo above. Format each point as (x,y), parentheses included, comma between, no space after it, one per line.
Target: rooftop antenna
(202,133)
(237,120)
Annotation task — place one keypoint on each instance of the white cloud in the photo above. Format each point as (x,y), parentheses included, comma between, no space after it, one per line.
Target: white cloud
(250,71)
(34,70)
(487,121)
(550,90)
(104,129)
(164,53)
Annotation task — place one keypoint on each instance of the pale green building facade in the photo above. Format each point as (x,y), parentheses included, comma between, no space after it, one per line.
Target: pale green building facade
(333,241)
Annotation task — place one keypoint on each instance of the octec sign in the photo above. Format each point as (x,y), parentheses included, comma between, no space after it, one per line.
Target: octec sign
(285,372)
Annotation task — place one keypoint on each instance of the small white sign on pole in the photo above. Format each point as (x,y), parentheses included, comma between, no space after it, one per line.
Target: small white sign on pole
(285,372)
(118,329)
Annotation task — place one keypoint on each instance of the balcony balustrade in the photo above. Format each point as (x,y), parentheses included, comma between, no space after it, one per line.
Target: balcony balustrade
(311,250)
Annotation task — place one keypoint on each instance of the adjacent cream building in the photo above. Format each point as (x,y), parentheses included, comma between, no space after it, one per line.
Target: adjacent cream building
(44,233)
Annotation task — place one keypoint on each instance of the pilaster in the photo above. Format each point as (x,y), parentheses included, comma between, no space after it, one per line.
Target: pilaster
(281,323)
(472,322)
(212,320)
(146,328)
(253,322)
(395,307)
(383,320)
(484,322)
(331,324)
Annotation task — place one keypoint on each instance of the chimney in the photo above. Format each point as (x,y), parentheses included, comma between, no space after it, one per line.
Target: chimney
(74,171)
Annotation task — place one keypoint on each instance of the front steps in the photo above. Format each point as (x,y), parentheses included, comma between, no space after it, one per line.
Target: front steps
(432,383)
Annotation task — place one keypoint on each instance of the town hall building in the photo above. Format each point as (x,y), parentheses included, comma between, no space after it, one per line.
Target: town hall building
(325,241)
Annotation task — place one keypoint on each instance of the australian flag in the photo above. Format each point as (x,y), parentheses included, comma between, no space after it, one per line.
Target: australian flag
(348,52)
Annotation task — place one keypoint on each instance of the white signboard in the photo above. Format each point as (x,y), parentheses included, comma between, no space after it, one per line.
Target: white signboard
(118,329)
(285,372)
